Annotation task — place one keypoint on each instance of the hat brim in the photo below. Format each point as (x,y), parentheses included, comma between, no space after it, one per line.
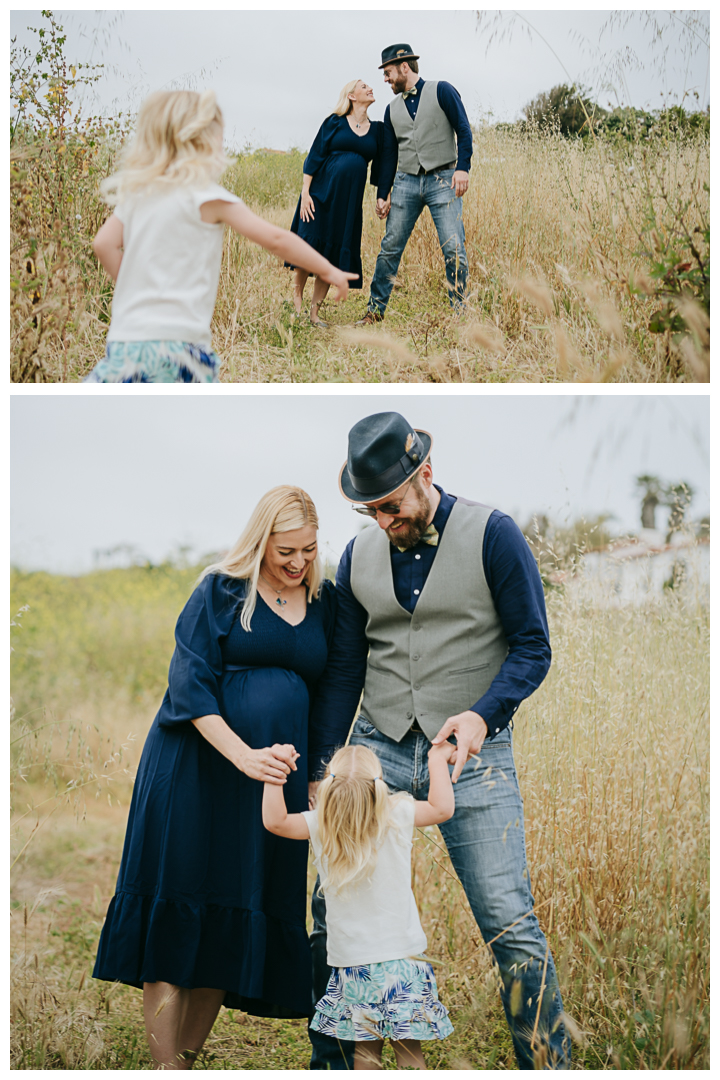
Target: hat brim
(398,60)
(349,492)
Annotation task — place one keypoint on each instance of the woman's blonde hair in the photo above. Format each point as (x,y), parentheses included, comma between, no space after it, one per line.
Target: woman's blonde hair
(353,807)
(280,510)
(178,140)
(344,105)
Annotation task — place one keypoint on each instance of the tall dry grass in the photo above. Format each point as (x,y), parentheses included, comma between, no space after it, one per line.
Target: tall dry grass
(612,758)
(562,238)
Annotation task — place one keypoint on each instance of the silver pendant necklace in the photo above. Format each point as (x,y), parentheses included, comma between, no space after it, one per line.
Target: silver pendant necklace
(279,601)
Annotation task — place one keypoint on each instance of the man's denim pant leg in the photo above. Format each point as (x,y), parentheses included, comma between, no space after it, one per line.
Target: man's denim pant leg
(409,195)
(485,839)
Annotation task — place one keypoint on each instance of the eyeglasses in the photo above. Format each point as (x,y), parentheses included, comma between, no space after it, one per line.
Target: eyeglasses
(390,509)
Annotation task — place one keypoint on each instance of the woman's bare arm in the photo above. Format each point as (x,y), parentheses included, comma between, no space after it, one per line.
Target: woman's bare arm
(271,764)
(108,245)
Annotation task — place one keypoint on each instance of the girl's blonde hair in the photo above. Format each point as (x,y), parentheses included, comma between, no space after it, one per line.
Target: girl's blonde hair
(280,510)
(344,105)
(178,140)
(353,807)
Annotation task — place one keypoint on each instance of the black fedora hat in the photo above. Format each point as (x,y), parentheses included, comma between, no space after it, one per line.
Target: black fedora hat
(383,452)
(397,54)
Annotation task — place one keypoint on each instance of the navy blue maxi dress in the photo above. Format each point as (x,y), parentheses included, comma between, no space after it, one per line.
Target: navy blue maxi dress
(338,163)
(205,896)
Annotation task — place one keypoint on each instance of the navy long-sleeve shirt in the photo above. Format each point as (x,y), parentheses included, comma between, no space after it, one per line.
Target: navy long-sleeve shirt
(451,104)
(516,589)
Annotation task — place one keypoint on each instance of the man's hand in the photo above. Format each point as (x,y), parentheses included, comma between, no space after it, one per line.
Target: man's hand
(461,182)
(312,793)
(470,730)
(382,208)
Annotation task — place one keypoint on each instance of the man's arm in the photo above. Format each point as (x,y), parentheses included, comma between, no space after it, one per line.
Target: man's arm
(516,589)
(451,104)
(342,682)
(388,166)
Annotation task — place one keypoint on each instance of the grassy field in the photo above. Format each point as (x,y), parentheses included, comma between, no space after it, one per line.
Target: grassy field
(612,755)
(569,247)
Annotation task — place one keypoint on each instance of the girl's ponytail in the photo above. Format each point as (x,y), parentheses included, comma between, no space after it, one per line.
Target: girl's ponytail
(178,140)
(353,805)
(205,113)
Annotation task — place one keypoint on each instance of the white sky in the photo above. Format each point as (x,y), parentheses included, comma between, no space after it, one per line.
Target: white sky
(90,471)
(278,73)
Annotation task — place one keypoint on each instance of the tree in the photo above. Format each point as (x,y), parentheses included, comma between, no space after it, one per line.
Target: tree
(567,107)
(652,494)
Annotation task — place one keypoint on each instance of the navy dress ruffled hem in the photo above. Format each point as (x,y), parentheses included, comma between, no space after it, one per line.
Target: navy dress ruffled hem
(206,896)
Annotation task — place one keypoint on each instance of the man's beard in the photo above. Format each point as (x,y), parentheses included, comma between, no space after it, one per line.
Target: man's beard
(399,84)
(413,528)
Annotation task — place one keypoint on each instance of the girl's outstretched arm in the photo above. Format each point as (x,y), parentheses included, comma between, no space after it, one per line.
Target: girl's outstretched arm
(286,245)
(108,245)
(276,818)
(440,803)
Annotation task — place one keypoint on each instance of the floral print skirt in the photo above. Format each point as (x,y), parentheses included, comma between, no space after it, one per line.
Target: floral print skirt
(395,999)
(155,362)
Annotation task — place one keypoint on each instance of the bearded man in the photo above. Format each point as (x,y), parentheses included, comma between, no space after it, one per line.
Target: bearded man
(426,161)
(441,626)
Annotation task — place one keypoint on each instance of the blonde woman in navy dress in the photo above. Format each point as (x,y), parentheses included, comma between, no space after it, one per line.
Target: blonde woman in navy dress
(329,212)
(209,907)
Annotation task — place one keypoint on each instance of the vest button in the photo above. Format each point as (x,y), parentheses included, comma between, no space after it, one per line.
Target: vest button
(417,687)
(416,657)
(417,627)
(409,715)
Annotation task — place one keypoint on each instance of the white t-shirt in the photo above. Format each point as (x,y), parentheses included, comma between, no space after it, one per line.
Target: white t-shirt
(169,274)
(377,919)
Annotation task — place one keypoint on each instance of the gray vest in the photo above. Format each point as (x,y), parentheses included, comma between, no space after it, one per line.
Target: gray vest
(429,139)
(439,660)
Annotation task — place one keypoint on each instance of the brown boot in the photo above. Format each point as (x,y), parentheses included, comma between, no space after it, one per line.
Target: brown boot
(369,318)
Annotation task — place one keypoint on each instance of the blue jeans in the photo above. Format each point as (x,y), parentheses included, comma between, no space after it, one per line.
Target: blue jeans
(485,839)
(409,195)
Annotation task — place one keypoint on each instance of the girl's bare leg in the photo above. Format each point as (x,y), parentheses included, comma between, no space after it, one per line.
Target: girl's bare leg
(301,277)
(368,1054)
(178,1020)
(408,1054)
(319,293)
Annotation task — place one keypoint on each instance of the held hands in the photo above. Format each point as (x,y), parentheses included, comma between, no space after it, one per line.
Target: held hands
(312,793)
(272,764)
(461,182)
(443,751)
(470,730)
(382,207)
(307,207)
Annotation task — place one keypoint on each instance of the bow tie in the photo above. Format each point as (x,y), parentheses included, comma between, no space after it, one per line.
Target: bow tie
(430,537)
(408,93)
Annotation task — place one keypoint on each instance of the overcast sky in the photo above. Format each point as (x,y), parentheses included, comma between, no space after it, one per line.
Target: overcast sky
(90,472)
(278,74)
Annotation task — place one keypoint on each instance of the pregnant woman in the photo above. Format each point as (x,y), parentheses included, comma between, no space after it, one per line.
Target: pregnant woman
(329,213)
(209,907)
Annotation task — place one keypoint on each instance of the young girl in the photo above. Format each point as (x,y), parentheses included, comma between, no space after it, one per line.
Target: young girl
(380,986)
(163,243)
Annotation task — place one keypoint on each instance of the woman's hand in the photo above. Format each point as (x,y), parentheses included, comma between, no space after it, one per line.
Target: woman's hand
(272,764)
(307,207)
